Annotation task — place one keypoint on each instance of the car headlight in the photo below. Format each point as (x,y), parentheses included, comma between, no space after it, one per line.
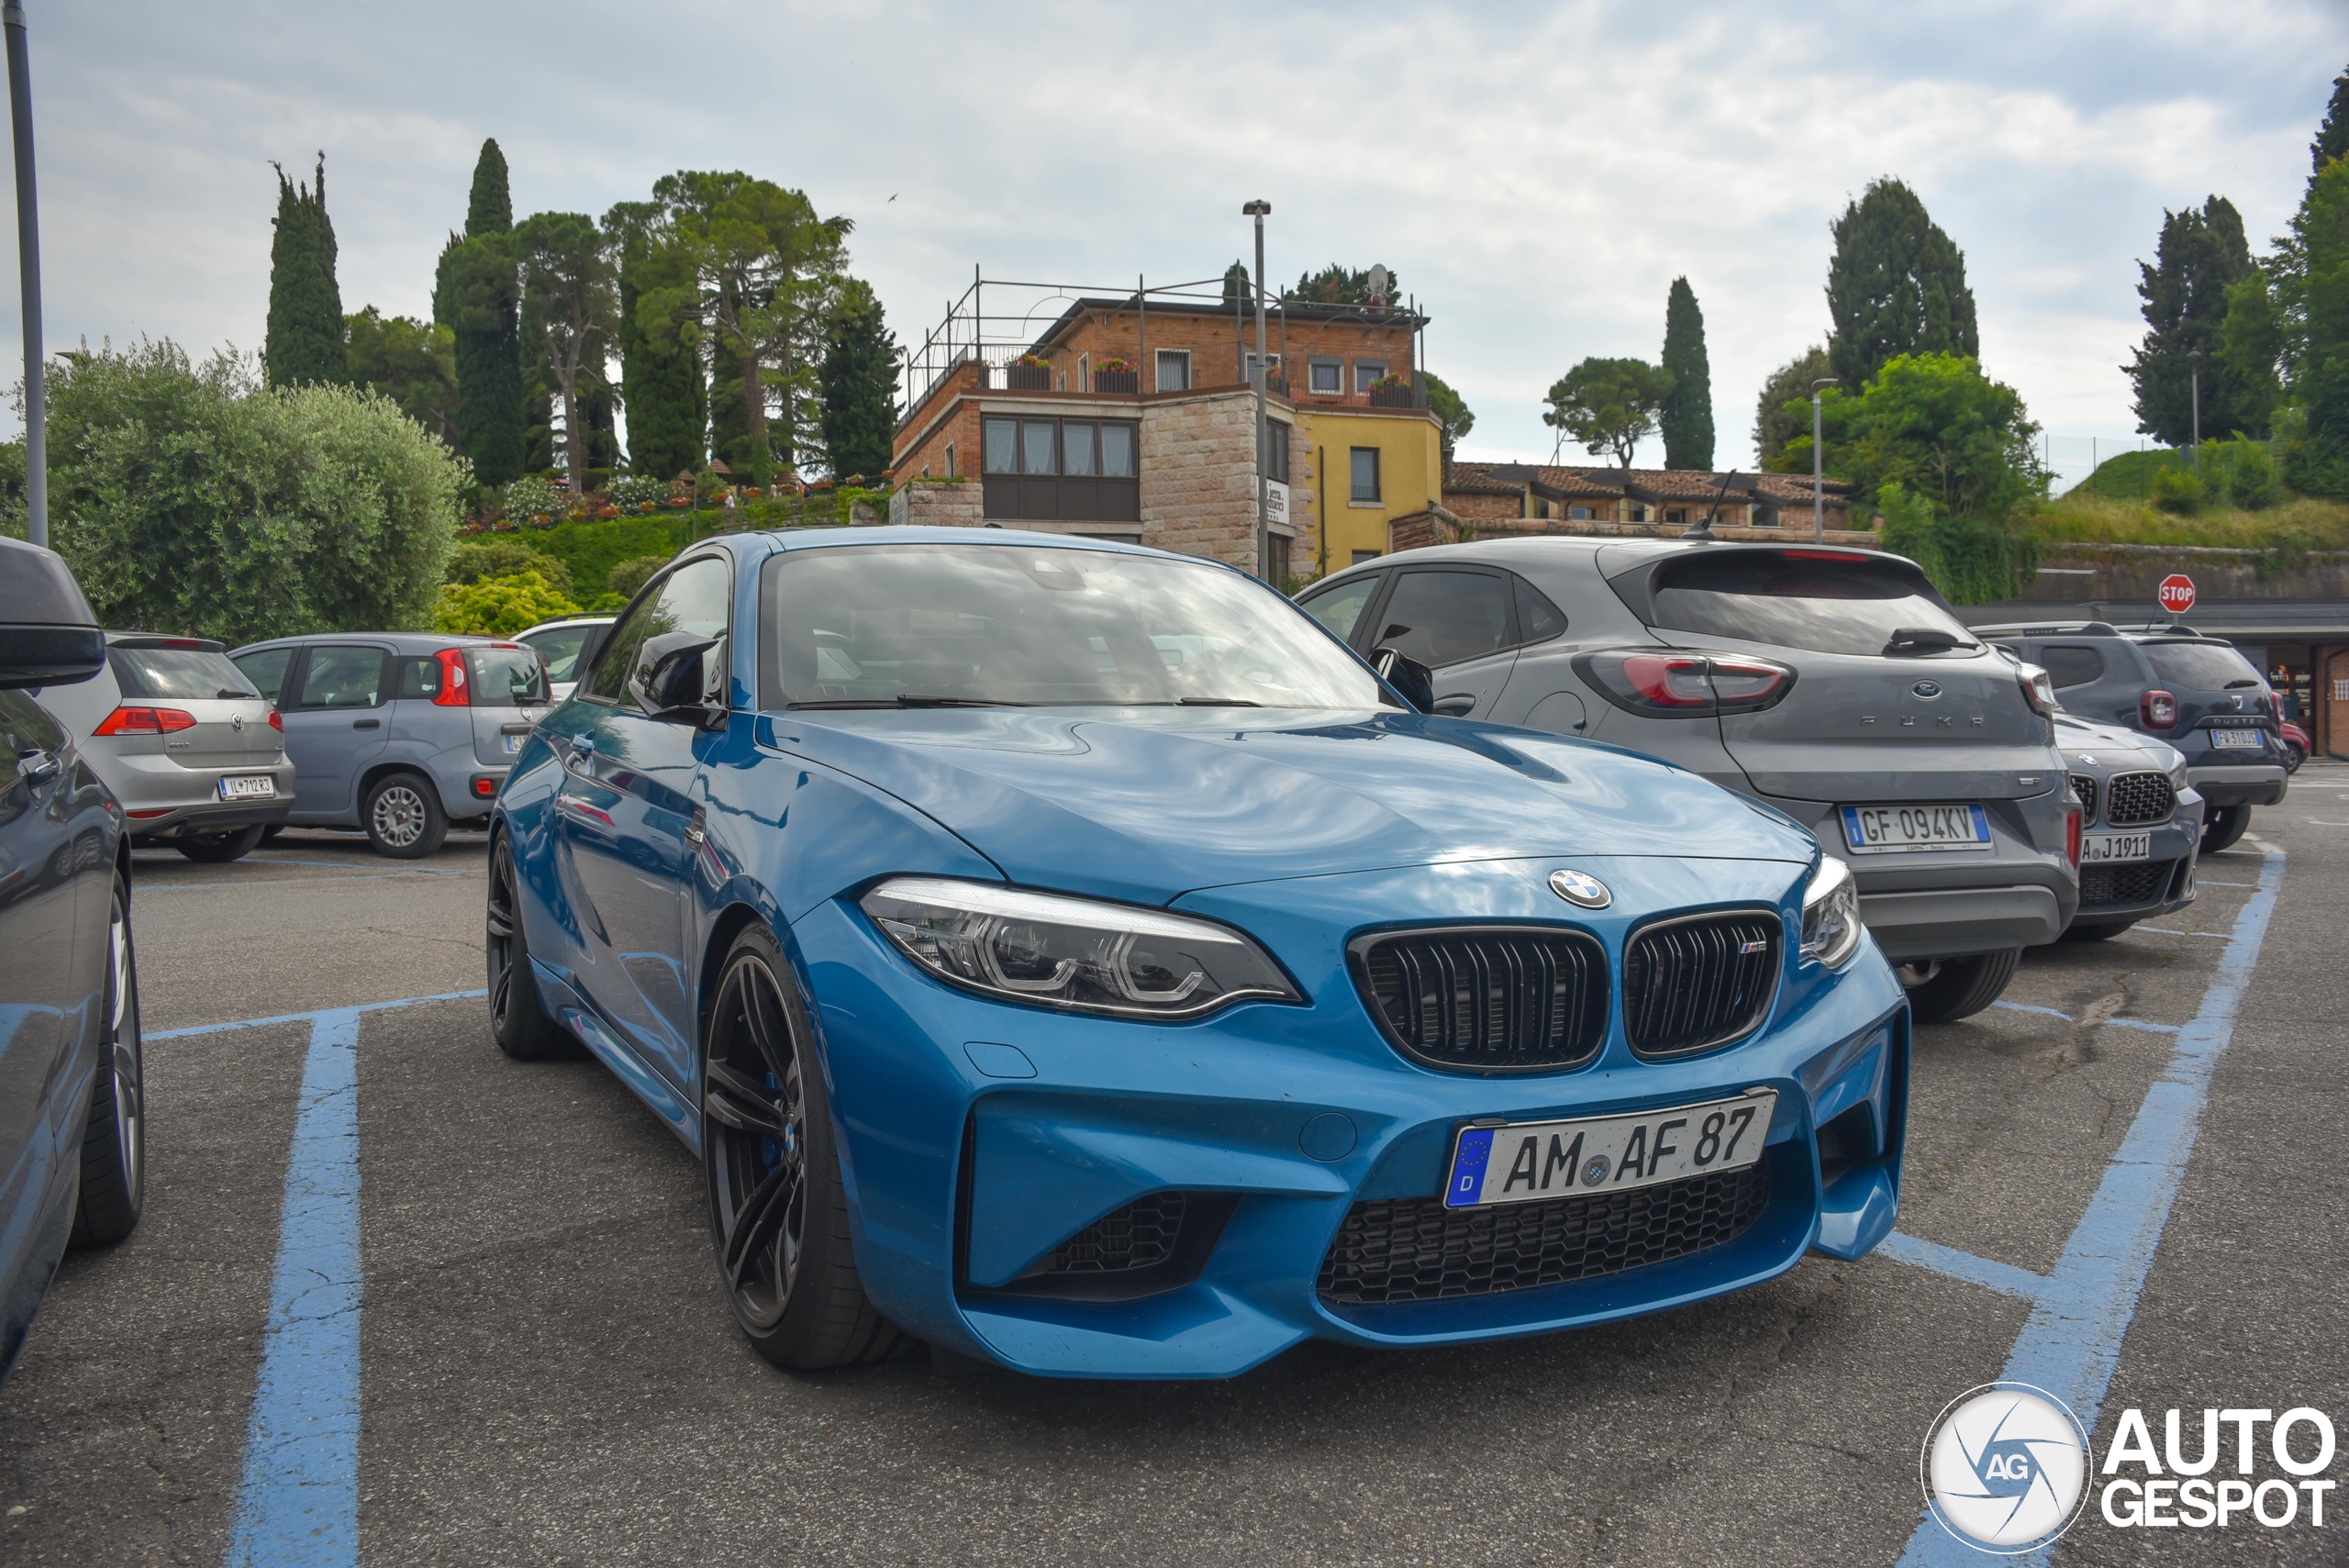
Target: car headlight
(1831,914)
(1072,953)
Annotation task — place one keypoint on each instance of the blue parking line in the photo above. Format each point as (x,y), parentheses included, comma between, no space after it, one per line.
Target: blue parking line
(2026,1007)
(1987,1272)
(298,1503)
(2072,1341)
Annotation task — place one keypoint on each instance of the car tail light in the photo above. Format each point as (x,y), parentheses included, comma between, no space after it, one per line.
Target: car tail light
(2276,701)
(2071,836)
(2038,689)
(276,723)
(1685,685)
(2158,709)
(149,814)
(485,788)
(144,721)
(452,692)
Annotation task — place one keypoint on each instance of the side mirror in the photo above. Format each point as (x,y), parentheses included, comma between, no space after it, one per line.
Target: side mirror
(48,636)
(669,680)
(49,655)
(1459,705)
(1414,681)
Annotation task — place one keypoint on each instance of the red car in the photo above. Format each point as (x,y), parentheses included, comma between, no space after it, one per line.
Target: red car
(2296,745)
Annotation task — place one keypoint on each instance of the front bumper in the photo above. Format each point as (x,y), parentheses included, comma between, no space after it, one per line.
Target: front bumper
(2240,783)
(2139,890)
(977,1137)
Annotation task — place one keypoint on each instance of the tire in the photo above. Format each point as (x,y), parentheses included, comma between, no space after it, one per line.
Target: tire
(402,818)
(1962,987)
(2095,930)
(2223,826)
(517,1021)
(268,834)
(2293,757)
(778,1210)
(114,1137)
(219,849)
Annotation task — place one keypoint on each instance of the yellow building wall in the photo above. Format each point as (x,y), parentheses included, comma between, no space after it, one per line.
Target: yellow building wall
(1411,476)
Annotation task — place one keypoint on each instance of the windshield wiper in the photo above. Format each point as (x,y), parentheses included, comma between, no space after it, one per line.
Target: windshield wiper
(1923,639)
(1216,702)
(906,699)
(2232,685)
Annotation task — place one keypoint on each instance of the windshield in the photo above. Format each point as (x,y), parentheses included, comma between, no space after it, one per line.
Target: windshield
(191,674)
(2201,666)
(907,625)
(1823,606)
(560,646)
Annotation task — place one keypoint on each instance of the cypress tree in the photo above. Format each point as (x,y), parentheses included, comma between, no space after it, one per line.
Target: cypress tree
(306,326)
(2333,136)
(2197,258)
(857,386)
(477,294)
(1687,419)
(1896,286)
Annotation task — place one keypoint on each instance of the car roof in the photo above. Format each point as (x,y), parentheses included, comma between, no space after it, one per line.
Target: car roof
(822,538)
(564,620)
(399,641)
(163,639)
(1585,548)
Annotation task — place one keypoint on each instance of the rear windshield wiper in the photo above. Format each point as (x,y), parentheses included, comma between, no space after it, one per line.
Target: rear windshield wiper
(906,699)
(1216,702)
(2232,685)
(1923,639)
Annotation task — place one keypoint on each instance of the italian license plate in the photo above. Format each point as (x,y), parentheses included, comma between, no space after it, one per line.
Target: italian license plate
(2239,739)
(1528,1161)
(513,744)
(247,786)
(1913,829)
(2096,847)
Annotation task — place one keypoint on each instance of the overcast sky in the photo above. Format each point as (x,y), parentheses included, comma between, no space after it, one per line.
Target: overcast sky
(1537,175)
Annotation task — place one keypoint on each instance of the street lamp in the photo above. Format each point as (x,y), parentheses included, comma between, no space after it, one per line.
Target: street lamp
(2194,364)
(1819,462)
(1258,209)
(20,110)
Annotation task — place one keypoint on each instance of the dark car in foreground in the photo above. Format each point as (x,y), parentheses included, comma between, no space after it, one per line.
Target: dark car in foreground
(1069,955)
(1834,685)
(73,1129)
(2196,692)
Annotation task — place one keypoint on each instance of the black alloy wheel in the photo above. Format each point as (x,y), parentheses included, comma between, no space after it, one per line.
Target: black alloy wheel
(219,849)
(114,1138)
(778,1210)
(517,1021)
(2223,826)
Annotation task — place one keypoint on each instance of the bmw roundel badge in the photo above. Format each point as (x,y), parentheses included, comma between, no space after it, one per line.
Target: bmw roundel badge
(1580,887)
(1928,690)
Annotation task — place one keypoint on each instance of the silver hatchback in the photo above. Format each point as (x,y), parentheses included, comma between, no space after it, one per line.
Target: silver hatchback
(188,744)
(398,733)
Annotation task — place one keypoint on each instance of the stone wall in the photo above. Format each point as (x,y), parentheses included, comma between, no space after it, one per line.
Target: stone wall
(1199,476)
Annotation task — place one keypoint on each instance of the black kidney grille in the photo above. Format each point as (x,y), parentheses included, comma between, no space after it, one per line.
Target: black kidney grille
(1695,984)
(2137,800)
(2105,886)
(1399,1250)
(2084,785)
(1139,1236)
(1490,1000)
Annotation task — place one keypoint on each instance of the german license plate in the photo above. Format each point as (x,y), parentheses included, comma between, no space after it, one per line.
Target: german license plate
(2096,848)
(1528,1162)
(2238,740)
(247,786)
(1913,829)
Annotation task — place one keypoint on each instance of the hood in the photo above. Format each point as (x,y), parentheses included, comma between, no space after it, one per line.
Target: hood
(1145,805)
(2075,734)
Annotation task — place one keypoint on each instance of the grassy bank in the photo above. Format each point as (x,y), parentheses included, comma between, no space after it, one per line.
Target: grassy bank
(2081,516)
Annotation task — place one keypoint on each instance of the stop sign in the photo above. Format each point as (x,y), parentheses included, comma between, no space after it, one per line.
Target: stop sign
(2177,592)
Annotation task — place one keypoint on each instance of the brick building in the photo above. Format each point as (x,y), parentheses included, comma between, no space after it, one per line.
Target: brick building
(1668,498)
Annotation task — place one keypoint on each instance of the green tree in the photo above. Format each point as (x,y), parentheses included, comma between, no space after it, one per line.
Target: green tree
(1776,419)
(1896,286)
(857,386)
(412,363)
(1687,419)
(1608,406)
(1447,407)
(1338,284)
(570,305)
(477,294)
(1936,426)
(188,499)
(305,344)
(1235,286)
(2316,455)
(627,576)
(661,372)
(503,555)
(2199,256)
(499,606)
(1972,561)
(2251,352)
(2333,136)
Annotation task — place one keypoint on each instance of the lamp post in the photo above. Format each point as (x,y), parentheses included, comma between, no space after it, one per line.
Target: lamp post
(20,111)
(2194,364)
(1257,209)
(1819,462)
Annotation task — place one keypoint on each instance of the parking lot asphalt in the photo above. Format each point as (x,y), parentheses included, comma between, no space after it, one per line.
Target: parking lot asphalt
(547,1372)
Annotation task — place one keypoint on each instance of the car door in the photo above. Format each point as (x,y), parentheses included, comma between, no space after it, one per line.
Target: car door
(1543,692)
(1461,622)
(628,823)
(334,724)
(39,874)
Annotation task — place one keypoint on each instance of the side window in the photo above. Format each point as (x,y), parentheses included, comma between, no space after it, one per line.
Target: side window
(266,670)
(342,677)
(419,678)
(25,727)
(1441,617)
(2069,666)
(1537,619)
(1340,608)
(691,598)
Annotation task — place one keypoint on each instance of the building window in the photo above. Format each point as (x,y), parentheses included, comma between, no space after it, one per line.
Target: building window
(1118,452)
(1276,558)
(1676,513)
(1326,378)
(1363,555)
(1276,451)
(1541,508)
(1061,470)
(1578,514)
(1003,446)
(1366,473)
(1638,512)
(1173,370)
(1366,372)
(950,460)
(1077,448)
(1084,373)
(1036,446)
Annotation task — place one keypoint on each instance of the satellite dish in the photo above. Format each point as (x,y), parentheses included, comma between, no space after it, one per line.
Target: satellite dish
(1382,283)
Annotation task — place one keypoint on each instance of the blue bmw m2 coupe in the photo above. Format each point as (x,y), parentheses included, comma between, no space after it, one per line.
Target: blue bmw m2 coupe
(1070,955)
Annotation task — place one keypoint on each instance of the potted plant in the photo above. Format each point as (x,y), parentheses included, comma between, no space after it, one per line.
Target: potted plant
(1392,391)
(1114,375)
(1028,372)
